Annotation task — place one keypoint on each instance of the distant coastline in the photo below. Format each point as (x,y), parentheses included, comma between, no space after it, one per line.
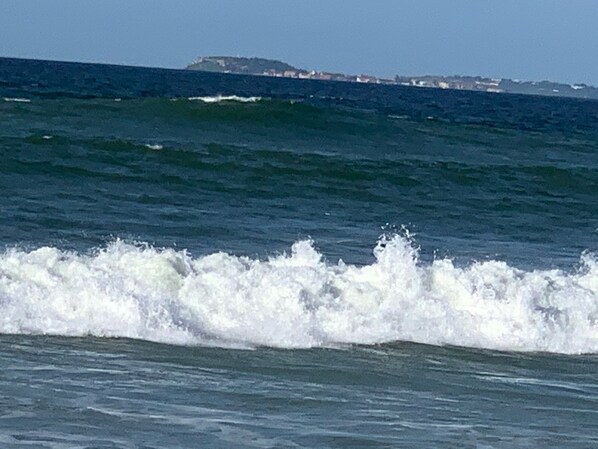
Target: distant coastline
(279,69)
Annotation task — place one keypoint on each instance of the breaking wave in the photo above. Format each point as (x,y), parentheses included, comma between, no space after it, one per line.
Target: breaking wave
(16,100)
(297,300)
(220,98)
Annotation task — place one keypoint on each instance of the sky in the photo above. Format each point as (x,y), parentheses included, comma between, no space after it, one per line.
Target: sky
(555,40)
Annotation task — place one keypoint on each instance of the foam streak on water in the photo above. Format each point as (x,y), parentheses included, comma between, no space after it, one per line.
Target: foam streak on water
(16,100)
(297,300)
(220,98)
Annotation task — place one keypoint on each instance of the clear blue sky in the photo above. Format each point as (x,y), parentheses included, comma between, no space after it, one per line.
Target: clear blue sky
(525,39)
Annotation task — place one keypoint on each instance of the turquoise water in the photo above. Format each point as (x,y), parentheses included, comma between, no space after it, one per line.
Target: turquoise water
(204,260)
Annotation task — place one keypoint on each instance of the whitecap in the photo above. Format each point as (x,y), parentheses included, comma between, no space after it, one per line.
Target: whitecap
(298,300)
(17,100)
(220,98)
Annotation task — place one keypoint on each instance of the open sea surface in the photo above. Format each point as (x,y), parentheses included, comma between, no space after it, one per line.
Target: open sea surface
(196,260)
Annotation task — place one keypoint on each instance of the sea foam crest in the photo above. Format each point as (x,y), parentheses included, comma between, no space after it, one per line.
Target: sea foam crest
(297,299)
(220,98)
(16,100)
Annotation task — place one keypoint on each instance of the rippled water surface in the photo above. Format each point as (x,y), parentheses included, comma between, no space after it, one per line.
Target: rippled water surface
(205,260)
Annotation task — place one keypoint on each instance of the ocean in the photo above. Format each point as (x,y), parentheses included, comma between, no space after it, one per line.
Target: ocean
(194,260)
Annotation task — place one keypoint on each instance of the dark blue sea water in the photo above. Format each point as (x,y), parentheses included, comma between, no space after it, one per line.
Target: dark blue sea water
(201,260)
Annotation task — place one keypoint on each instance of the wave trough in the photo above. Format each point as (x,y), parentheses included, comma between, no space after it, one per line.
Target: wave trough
(297,300)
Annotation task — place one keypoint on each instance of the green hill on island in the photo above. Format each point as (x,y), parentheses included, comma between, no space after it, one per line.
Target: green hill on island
(248,66)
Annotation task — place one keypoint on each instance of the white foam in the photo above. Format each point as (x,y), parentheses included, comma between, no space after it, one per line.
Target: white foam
(154,146)
(220,98)
(17,100)
(297,300)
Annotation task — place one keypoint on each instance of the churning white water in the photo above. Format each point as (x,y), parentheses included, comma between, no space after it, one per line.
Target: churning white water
(297,299)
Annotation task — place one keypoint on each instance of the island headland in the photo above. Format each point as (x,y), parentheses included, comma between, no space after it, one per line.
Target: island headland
(274,68)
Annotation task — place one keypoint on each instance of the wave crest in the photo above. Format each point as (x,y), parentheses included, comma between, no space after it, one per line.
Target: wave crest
(297,299)
(221,98)
(16,100)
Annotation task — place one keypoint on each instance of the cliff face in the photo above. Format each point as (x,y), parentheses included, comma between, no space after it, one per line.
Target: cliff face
(248,66)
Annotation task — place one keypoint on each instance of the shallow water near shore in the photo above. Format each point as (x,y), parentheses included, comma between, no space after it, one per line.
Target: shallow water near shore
(125,393)
(207,260)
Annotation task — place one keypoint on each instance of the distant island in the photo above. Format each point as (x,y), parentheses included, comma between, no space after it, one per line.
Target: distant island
(270,67)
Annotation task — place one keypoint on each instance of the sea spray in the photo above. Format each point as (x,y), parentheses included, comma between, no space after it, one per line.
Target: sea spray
(297,299)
